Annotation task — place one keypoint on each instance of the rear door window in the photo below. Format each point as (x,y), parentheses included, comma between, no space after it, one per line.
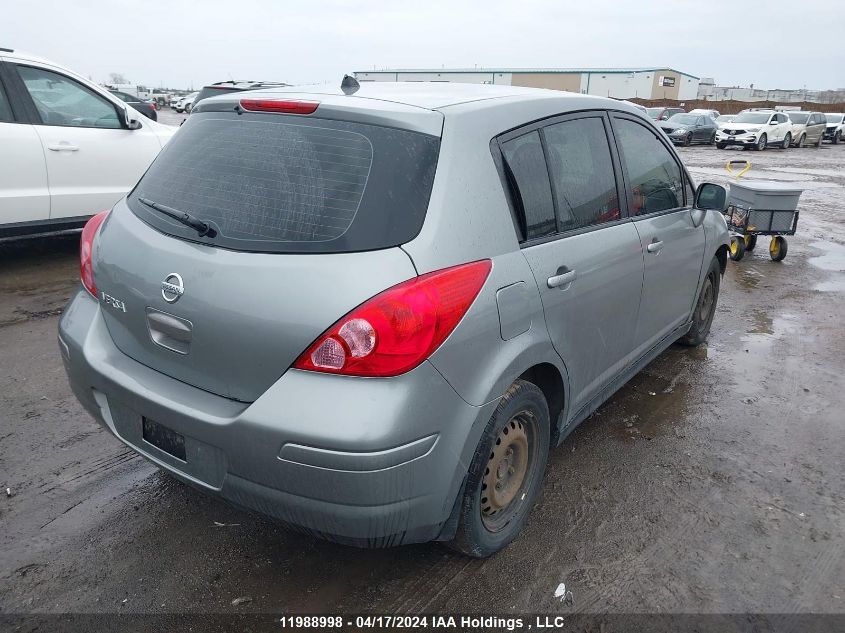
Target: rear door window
(278,183)
(653,175)
(526,163)
(582,173)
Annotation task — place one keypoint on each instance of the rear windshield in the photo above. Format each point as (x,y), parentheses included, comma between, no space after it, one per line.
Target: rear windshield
(280,183)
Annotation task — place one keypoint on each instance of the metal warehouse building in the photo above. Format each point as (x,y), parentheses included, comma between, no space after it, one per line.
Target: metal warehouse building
(622,83)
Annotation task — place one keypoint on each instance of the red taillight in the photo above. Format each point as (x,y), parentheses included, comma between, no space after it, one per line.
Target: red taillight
(399,328)
(86,251)
(282,107)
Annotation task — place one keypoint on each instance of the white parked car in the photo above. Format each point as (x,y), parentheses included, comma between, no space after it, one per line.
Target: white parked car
(185,103)
(835,130)
(68,147)
(756,129)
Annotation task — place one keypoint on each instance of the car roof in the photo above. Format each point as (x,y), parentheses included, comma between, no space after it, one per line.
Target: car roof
(427,95)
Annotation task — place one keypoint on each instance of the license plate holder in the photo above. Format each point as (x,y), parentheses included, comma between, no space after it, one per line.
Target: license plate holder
(164,439)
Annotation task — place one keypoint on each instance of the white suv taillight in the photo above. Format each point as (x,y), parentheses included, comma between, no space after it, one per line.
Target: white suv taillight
(86,251)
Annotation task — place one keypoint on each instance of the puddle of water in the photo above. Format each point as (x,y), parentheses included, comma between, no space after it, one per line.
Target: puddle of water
(833,259)
(832,285)
(762,323)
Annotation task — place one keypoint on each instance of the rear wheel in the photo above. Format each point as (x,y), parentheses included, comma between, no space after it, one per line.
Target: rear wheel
(762,142)
(705,307)
(712,139)
(750,242)
(737,248)
(506,472)
(777,248)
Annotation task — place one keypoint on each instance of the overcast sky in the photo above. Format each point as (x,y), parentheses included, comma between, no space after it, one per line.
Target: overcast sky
(179,43)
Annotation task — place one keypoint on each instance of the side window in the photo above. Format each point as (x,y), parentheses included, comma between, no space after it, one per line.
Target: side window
(62,101)
(654,177)
(583,181)
(527,165)
(5,108)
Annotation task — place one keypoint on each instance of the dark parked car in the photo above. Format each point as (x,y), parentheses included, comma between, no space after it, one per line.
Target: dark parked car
(663,114)
(223,87)
(685,129)
(147,108)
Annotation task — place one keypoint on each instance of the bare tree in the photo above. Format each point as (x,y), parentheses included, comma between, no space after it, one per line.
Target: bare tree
(117,78)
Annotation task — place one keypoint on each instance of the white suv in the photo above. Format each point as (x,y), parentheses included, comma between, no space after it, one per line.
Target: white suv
(68,147)
(756,129)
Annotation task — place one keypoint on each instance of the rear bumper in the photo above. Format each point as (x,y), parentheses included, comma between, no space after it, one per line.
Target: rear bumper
(367,462)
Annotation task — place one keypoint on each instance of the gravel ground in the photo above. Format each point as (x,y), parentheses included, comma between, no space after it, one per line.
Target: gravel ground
(712,483)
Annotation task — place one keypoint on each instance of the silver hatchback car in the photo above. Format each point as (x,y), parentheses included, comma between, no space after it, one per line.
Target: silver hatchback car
(370,316)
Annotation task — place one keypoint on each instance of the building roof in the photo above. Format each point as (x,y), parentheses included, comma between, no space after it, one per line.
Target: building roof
(526,70)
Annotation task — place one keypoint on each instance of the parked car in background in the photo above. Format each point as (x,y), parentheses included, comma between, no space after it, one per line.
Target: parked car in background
(663,114)
(835,127)
(222,87)
(713,114)
(722,119)
(685,129)
(68,147)
(756,129)
(807,127)
(145,107)
(185,103)
(461,311)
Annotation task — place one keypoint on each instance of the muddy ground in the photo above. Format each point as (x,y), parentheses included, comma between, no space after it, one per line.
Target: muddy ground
(713,482)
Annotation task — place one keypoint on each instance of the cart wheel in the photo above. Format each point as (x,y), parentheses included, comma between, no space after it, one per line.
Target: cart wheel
(737,248)
(750,242)
(777,248)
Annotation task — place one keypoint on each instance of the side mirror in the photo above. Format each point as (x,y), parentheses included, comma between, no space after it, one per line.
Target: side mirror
(711,197)
(130,119)
(773,122)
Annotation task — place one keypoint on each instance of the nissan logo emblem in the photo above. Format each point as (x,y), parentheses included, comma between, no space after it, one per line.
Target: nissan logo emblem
(172,287)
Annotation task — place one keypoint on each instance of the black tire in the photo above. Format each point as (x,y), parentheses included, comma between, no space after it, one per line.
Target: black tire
(750,242)
(483,529)
(705,307)
(736,251)
(762,142)
(802,140)
(778,248)
(688,140)
(787,141)
(712,139)
(720,146)
(836,138)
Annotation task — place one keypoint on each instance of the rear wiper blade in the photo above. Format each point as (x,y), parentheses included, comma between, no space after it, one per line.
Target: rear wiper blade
(203,228)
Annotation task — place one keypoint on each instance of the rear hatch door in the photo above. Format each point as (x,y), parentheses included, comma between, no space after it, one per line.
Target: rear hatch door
(307,217)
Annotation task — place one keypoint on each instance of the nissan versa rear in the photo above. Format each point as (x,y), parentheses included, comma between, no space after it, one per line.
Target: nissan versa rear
(369,316)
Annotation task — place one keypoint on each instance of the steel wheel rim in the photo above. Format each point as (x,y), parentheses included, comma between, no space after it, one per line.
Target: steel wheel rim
(761,143)
(706,300)
(774,247)
(507,473)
